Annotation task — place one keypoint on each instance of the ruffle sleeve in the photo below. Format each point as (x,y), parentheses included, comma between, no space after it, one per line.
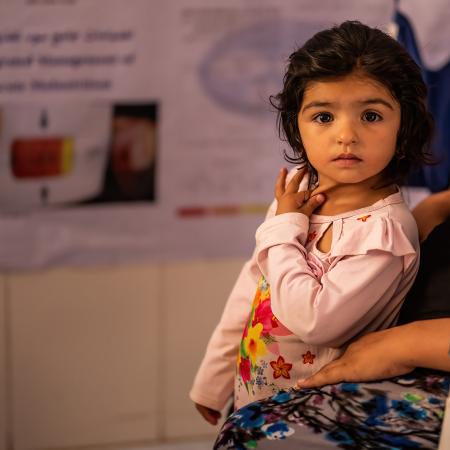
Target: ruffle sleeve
(361,235)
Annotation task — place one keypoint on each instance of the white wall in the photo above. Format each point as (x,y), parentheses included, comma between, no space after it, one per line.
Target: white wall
(106,355)
(195,294)
(3,364)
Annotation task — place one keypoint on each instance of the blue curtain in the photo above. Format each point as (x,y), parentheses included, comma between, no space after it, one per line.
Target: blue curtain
(435,177)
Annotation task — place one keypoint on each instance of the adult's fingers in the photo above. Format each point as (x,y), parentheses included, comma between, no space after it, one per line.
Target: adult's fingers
(332,373)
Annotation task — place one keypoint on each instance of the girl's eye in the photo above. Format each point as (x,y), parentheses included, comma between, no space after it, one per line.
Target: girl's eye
(371,116)
(323,118)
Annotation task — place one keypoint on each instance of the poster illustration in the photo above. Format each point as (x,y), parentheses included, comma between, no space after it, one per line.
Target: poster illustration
(145,132)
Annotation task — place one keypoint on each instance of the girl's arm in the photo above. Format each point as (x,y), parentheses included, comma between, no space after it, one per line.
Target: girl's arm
(360,293)
(213,384)
(389,353)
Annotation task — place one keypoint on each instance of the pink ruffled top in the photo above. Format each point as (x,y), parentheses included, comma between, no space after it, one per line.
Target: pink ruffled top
(308,304)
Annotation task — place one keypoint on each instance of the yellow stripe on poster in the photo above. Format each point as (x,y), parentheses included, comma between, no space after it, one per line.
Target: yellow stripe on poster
(67,155)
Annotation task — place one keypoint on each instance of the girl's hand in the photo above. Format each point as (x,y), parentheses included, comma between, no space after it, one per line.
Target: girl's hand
(210,415)
(375,356)
(290,200)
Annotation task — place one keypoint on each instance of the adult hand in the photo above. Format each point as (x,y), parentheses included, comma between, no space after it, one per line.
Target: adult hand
(290,200)
(375,356)
(210,415)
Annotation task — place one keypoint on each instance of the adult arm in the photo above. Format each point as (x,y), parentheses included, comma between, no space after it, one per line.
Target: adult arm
(431,212)
(388,353)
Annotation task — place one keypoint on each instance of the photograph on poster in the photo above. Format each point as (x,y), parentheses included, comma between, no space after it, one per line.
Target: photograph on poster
(131,167)
(63,155)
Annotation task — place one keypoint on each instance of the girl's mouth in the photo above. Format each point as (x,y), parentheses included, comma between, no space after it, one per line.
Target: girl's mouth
(347,156)
(347,160)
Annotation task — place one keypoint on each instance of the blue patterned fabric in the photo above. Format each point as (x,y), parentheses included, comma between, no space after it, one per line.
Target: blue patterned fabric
(405,412)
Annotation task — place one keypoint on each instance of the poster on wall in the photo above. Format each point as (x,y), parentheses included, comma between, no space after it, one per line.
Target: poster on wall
(144,132)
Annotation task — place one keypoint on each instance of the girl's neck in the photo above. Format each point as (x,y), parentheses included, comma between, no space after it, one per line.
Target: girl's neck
(348,197)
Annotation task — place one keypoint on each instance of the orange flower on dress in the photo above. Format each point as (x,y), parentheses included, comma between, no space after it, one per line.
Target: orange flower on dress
(311,236)
(364,218)
(281,368)
(308,358)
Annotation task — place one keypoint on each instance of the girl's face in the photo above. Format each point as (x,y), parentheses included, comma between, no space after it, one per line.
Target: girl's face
(349,129)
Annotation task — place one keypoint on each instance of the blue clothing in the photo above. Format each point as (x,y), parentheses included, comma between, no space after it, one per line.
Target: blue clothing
(435,177)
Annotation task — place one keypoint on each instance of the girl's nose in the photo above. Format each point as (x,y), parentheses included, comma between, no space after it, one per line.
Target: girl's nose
(347,135)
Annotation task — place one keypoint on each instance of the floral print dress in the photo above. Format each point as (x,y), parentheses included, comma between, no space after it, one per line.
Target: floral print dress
(402,413)
(270,356)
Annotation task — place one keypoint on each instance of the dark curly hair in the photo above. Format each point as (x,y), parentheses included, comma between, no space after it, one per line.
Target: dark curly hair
(339,51)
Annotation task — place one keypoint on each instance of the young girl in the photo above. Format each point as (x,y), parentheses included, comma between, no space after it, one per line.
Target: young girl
(411,404)
(333,261)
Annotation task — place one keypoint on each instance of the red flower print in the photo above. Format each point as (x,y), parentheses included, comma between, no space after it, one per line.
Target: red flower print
(264,315)
(244,370)
(364,218)
(281,368)
(271,325)
(308,358)
(274,321)
(311,236)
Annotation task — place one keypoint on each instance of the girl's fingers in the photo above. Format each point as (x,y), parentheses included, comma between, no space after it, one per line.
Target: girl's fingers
(280,183)
(290,199)
(302,197)
(294,184)
(312,203)
(210,415)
